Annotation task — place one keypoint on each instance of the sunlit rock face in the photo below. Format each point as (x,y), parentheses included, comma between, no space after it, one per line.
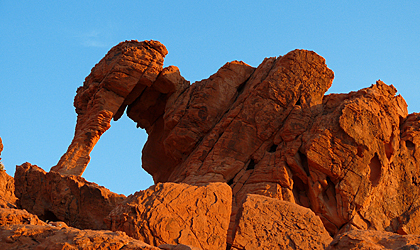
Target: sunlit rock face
(350,158)
(121,78)
(176,213)
(67,198)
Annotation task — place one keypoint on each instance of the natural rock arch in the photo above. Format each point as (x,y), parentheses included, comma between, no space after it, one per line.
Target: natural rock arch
(126,77)
(268,130)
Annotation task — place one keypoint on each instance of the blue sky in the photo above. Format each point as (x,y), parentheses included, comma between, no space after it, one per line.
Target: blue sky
(49,47)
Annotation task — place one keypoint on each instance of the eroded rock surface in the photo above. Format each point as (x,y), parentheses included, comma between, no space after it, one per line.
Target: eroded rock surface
(12,216)
(353,159)
(374,240)
(29,237)
(123,77)
(271,131)
(170,213)
(7,191)
(70,199)
(269,223)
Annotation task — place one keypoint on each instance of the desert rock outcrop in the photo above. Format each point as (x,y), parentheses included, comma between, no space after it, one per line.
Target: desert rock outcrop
(123,76)
(270,134)
(269,223)
(273,132)
(70,199)
(170,213)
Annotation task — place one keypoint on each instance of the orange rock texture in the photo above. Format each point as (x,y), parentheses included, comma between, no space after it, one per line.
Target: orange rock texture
(170,213)
(29,237)
(287,226)
(7,191)
(118,80)
(12,216)
(250,158)
(374,240)
(271,131)
(70,199)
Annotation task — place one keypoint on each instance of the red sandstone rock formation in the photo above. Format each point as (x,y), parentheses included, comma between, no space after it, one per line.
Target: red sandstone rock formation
(353,159)
(124,76)
(273,132)
(269,223)
(172,213)
(70,199)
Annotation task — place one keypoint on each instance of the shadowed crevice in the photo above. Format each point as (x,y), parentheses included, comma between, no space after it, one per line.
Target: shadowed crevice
(375,170)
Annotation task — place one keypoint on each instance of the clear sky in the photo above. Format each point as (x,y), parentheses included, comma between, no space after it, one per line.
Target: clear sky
(47,48)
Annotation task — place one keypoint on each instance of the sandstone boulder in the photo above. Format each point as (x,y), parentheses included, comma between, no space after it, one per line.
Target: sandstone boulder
(28,237)
(268,223)
(170,213)
(70,199)
(374,240)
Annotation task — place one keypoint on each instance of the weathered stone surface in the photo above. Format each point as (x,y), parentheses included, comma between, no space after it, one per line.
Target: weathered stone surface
(374,240)
(352,156)
(63,238)
(173,214)
(116,81)
(269,223)
(11,216)
(353,159)
(219,129)
(7,191)
(271,131)
(70,199)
